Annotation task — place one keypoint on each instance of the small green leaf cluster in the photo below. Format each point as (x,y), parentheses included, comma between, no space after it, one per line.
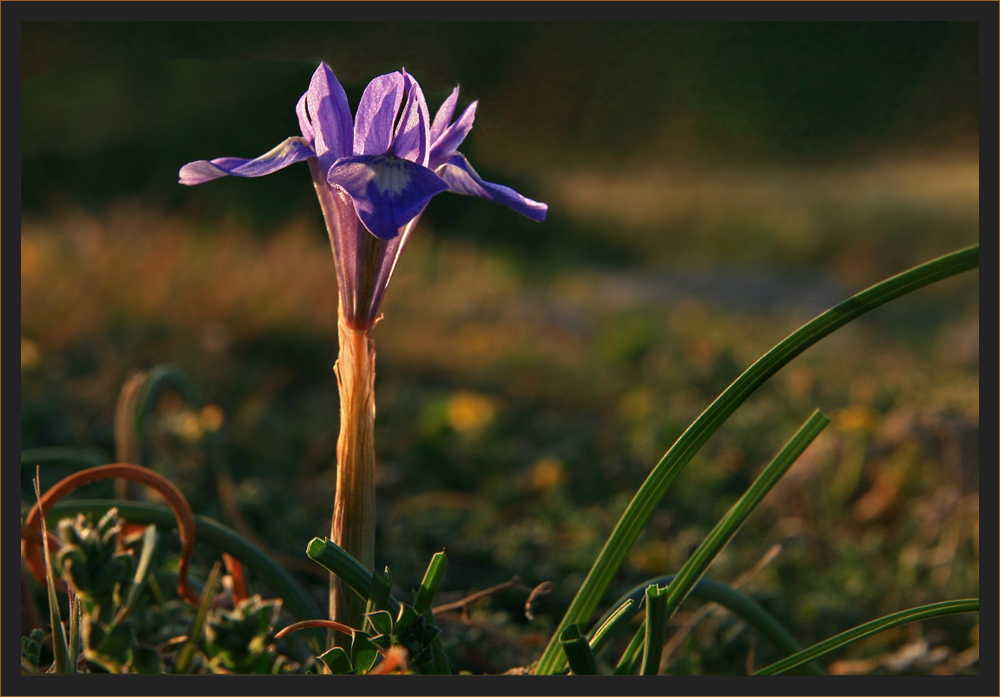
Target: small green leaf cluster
(241,640)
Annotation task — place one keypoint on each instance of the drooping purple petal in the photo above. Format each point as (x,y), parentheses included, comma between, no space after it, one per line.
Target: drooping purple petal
(412,138)
(452,137)
(288,152)
(377,114)
(388,192)
(443,116)
(463,179)
(329,117)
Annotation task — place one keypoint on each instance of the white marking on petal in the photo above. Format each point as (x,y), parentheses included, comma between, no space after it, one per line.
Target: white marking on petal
(391,176)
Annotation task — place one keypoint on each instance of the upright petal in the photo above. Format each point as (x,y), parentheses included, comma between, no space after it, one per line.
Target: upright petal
(412,138)
(301,111)
(291,150)
(443,116)
(329,116)
(463,179)
(377,114)
(388,192)
(452,137)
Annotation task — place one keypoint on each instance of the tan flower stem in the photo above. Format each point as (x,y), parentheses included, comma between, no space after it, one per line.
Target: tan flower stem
(353,526)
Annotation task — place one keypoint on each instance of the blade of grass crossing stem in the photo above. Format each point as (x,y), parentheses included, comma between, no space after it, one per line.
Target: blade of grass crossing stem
(186,656)
(646,499)
(656,629)
(578,652)
(432,579)
(60,649)
(924,612)
(633,652)
(724,531)
(611,623)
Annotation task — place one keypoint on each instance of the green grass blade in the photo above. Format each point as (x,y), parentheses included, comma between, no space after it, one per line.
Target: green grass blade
(724,531)
(648,496)
(432,579)
(186,656)
(214,534)
(656,629)
(149,540)
(581,658)
(917,614)
(73,647)
(616,618)
(60,648)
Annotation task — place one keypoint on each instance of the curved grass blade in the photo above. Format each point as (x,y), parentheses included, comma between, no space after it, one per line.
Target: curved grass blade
(646,499)
(724,531)
(917,614)
(161,377)
(611,623)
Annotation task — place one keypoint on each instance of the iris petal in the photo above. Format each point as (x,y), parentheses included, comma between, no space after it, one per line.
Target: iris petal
(301,111)
(452,137)
(443,116)
(463,179)
(388,192)
(377,114)
(330,117)
(413,133)
(289,151)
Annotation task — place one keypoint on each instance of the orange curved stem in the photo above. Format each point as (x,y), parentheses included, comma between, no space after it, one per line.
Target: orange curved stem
(305,624)
(31,548)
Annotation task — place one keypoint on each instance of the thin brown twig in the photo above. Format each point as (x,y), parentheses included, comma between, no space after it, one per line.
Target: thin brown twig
(462,604)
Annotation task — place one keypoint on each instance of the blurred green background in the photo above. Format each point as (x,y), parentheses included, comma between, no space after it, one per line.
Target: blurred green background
(711,186)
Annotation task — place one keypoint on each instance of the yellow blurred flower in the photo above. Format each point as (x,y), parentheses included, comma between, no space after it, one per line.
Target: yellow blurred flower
(546,475)
(855,419)
(211,417)
(468,412)
(30,355)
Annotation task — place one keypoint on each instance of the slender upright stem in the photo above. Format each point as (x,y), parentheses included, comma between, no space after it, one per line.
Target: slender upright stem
(353,526)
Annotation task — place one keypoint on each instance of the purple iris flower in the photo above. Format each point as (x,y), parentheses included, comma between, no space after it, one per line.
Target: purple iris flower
(374,175)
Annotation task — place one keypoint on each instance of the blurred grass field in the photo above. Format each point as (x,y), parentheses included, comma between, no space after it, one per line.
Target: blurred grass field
(529,376)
